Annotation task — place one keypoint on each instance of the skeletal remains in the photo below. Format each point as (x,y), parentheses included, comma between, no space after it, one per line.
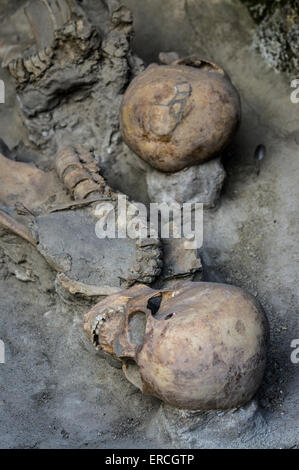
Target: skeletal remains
(180,114)
(194,345)
(65,234)
(197,346)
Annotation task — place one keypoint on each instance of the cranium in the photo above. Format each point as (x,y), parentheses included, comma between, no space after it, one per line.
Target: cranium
(181,114)
(197,346)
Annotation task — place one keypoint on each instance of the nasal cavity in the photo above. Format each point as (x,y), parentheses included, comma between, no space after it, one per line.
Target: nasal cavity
(137,327)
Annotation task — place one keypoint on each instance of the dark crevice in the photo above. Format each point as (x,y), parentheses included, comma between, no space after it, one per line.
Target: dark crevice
(154,304)
(170,315)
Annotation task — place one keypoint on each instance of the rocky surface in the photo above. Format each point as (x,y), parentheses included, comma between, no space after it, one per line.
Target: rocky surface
(277,36)
(55,391)
(200,183)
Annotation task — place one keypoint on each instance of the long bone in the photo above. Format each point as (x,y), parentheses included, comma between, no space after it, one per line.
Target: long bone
(60,233)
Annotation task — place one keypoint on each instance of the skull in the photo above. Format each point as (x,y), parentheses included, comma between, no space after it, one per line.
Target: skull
(198,346)
(178,115)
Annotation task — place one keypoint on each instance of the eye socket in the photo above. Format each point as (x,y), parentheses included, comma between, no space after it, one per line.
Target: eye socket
(154,304)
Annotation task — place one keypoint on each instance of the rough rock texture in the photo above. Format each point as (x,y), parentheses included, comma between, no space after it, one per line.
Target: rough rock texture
(277,37)
(68,241)
(250,240)
(70,86)
(54,391)
(200,183)
(208,430)
(71,73)
(75,97)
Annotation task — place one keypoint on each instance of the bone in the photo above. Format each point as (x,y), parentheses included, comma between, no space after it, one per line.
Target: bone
(24,183)
(188,124)
(17,69)
(179,262)
(197,346)
(80,173)
(85,290)
(9,52)
(12,225)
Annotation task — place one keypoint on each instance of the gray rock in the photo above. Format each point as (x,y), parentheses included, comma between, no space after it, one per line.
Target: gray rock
(200,183)
(277,36)
(213,429)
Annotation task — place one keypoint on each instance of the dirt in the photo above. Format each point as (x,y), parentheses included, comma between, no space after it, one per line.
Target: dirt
(55,391)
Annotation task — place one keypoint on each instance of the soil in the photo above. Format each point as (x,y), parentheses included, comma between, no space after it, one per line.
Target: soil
(55,391)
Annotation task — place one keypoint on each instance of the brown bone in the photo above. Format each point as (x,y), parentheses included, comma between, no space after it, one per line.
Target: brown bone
(181,114)
(21,182)
(80,173)
(198,346)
